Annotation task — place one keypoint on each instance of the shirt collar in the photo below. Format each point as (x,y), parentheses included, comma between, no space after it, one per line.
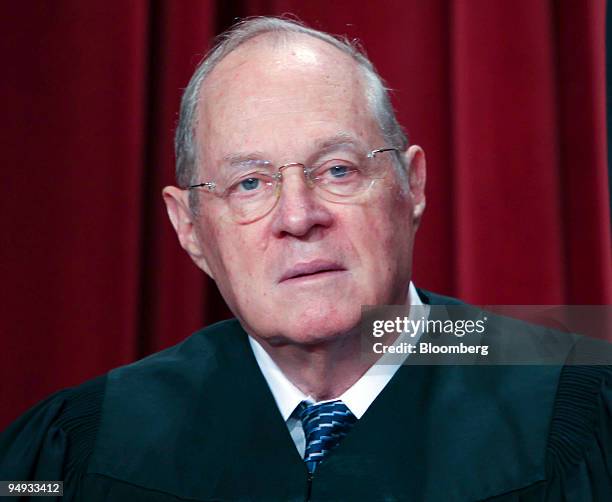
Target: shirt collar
(357,398)
(286,395)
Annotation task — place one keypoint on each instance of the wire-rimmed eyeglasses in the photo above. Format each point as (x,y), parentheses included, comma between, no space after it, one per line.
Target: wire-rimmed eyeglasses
(254,189)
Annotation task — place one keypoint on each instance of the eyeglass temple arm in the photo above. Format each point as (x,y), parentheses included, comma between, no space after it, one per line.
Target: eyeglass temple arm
(373,153)
(208,184)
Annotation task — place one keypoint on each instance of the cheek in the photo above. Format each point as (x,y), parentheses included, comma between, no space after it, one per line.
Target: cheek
(388,219)
(237,252)
(383,235)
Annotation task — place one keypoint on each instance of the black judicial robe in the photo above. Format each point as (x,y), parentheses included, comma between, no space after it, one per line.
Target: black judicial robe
(197,422)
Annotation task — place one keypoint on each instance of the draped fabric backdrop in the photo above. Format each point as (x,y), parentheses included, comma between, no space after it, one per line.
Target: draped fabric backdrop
(507,98)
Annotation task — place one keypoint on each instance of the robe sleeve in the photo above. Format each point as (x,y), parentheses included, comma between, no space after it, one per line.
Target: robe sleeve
(579,456)
(53,440)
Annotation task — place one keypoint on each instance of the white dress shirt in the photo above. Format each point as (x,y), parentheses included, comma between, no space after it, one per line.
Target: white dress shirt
(357,398)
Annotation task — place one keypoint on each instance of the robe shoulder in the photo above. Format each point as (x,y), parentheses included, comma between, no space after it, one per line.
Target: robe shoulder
(56,438)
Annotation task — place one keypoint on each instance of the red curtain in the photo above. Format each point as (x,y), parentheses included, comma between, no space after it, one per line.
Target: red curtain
(507,98)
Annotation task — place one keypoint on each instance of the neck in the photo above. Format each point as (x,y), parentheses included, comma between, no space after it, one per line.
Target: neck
(325,370)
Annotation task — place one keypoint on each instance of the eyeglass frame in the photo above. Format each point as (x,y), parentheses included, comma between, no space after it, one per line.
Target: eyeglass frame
(278,176)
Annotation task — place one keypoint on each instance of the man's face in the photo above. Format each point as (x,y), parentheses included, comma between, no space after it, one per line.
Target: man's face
(301,273)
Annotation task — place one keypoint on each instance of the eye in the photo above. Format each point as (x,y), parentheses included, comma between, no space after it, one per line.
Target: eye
(339,171)
(250,184)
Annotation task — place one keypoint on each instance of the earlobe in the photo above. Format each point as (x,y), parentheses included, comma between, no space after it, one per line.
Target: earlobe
(182,219)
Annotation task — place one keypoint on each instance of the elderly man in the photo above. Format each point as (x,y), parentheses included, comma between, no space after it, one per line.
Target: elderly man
(298,194)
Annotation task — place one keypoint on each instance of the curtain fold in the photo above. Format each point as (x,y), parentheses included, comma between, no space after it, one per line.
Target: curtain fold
(507,98)
(506,153)
(175,299)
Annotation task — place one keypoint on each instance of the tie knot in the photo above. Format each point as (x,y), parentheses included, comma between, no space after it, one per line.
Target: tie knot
(325,424)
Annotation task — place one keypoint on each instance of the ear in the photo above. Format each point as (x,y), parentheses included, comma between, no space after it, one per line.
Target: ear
(183,220)
(414,159)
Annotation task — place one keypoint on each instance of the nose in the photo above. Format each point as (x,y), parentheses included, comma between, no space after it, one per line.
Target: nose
(299,211)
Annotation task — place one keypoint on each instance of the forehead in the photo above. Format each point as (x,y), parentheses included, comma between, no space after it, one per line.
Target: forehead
(279,93)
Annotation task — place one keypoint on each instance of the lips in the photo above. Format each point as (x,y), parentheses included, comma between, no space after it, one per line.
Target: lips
(311,268)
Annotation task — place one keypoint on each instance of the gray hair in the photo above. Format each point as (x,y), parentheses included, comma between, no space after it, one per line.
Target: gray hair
(376,93)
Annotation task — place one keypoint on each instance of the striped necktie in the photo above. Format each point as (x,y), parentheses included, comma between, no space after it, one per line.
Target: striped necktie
(325,424)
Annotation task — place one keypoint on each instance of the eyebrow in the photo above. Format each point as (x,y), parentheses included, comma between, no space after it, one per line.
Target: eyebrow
(235,159)
(322,146)
(337,140)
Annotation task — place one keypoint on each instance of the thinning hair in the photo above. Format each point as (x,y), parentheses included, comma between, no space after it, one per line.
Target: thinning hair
(376,93)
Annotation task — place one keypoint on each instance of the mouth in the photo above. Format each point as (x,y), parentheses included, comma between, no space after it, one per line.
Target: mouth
(312,270)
